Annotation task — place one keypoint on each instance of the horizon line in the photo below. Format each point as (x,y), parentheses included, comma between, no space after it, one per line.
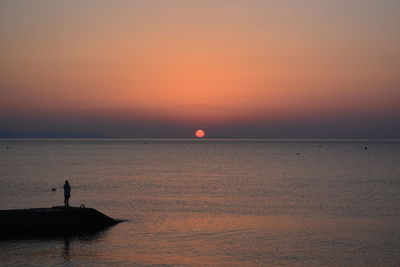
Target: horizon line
(206,139)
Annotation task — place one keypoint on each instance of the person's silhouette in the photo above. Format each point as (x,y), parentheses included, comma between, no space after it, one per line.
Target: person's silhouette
(67,193)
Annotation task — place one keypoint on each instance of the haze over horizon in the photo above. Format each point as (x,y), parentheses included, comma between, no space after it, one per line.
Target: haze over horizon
(240,69)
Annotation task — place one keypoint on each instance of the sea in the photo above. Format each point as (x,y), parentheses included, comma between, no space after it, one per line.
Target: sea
(209,202)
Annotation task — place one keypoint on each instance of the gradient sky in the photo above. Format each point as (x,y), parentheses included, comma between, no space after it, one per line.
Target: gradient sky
(250,68)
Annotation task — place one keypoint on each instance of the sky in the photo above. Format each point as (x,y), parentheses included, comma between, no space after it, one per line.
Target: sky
(237,68)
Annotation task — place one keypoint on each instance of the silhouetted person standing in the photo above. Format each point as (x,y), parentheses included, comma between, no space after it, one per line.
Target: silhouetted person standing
(67,193)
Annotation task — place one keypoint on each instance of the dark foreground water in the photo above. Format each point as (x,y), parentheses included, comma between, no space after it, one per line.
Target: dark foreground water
(205,202)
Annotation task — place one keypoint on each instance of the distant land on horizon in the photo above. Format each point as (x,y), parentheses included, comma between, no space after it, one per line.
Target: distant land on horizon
(5,133)
(50,134)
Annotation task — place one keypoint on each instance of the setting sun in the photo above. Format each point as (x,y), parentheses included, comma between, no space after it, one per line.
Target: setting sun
(200,133)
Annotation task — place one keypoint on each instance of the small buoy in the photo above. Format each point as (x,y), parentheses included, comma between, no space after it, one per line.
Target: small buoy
(53,189)
(365,148)
(297,153)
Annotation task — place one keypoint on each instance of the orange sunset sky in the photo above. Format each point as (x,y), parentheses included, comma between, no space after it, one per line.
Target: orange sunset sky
(241,69)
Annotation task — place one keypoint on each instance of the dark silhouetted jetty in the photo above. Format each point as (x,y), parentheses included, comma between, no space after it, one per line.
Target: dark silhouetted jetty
(55,220)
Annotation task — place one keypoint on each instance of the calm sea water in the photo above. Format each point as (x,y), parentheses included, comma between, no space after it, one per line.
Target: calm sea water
(210,203)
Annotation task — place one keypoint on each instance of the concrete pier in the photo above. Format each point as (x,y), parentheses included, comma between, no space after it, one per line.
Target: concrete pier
(52,220)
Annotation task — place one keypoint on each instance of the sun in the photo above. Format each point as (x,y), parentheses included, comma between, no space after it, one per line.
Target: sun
(200,133)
